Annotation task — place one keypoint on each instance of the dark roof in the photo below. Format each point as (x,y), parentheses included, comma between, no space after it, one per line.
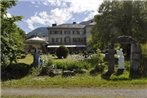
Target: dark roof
(88,23)
(68,26)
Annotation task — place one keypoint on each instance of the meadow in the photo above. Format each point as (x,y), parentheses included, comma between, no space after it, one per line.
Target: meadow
(79,80)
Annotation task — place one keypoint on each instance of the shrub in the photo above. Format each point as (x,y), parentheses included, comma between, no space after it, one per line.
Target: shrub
(73,65)
(127,65)
(62,52)
(14,71)
(98,63)
(144,60)
(46,69)
(35,71)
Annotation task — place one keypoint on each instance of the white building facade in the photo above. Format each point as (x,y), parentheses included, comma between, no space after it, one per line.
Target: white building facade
(70,35)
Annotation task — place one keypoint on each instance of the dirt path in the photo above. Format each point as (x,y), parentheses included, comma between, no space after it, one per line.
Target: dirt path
(129,93)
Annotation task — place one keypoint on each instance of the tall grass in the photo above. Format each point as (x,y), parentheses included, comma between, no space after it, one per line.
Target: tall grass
(76,81)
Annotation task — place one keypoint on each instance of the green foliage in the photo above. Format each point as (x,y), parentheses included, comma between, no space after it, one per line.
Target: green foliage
(12,37)
(118,18)
(144,60)
(144,49)
(46,69)
(35,71)
(62,52)
(14,71)
(72,65)
(127,65)
(98,62)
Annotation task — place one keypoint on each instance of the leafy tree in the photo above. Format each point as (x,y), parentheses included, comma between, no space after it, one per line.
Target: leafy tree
(62,51)
(118,18)
(12,37)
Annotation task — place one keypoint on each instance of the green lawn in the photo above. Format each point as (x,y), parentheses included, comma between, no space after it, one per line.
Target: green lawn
(80,80)
(27,60)
(76,81)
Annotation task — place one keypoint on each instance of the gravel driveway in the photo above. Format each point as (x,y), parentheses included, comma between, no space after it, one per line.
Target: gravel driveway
(129,93)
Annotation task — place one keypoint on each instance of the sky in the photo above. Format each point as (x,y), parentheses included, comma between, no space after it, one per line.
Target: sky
(44,13)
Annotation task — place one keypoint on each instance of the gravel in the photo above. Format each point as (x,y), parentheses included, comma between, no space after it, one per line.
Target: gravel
(129,93)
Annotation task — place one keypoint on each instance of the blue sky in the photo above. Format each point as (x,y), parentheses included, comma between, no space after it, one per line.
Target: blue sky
(43,13)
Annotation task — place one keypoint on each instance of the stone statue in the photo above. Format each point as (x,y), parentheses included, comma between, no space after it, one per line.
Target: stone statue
(36,58)
(121,64)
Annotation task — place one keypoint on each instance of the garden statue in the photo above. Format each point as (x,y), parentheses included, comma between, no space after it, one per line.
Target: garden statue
(121,65)
(37,59)
(134,58)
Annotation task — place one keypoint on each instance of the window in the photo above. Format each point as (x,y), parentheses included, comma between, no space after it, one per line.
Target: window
(78,32)
(66,32)
(53,40)
(57,40)
(61,40)
(79,39)
(60,32)
(50,32)
(67,39)
(74,39)
(81,33)
(56,32)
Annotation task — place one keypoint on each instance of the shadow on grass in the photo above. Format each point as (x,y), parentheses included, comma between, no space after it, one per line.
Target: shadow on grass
(14,71)
(120,79)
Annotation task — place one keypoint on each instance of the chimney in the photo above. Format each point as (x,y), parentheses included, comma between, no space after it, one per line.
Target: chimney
(74,22)
(54,25)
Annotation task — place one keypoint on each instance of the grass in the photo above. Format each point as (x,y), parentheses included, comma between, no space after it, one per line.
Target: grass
(76,81)
(84,80)
(27,60)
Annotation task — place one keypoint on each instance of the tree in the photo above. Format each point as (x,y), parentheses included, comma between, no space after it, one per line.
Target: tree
(62,52)
(12,37)
(118,18)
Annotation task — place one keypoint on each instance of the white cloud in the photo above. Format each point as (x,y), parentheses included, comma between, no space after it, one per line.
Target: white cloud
(8,15)
(33,2)
(63,10)
(36,6)
(78,6)
(55,2)
(56,16)
(45,3)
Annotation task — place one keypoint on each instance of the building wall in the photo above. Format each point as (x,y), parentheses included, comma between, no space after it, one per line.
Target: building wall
(64,34)
(67,36)
(88,29)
